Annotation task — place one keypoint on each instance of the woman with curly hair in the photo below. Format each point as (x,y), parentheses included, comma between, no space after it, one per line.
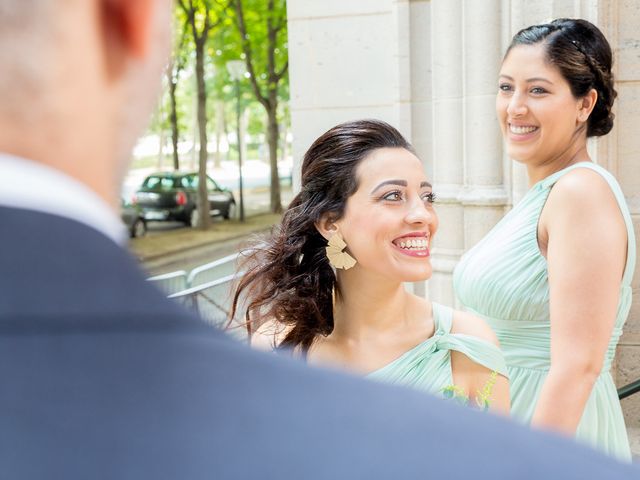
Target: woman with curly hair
(328,285)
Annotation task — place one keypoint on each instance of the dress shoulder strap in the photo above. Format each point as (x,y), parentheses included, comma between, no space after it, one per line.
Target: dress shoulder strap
(622,204)
(478,350)
(442,318)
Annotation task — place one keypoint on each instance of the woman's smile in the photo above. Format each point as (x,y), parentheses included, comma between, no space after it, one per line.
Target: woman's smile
(520,132)
(415,244)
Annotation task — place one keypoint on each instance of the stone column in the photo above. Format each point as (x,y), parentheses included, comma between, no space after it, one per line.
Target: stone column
(401,66)
(447,156)
(484,197)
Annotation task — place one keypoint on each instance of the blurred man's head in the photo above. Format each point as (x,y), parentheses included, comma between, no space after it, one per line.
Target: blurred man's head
(79,79)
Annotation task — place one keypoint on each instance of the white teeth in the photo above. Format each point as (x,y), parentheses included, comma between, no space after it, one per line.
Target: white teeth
(521,130)
(414,244)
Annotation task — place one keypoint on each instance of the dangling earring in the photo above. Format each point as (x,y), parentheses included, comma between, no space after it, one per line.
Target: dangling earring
(338,258)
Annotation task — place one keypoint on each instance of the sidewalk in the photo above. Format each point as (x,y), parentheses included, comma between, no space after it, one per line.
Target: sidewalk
(184,239)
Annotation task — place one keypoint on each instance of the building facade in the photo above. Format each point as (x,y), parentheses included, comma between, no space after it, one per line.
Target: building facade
(429,67)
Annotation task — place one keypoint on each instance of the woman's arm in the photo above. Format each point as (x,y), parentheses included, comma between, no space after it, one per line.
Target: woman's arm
(586,244)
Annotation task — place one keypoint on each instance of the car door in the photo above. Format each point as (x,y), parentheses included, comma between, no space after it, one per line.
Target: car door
(218,198)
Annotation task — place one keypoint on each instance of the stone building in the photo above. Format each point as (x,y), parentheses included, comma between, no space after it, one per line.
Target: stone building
(430,67)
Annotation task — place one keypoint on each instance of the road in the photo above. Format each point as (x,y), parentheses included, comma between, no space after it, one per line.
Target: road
(195,257)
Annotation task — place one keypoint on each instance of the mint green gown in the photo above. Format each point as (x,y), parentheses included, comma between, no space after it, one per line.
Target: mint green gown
(503,279)
(427,366)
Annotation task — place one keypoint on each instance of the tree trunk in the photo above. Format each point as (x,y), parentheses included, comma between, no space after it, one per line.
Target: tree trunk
(173,119)
(272,139)
(203,200)
(161,142)
(284,149)
(217,162)
(194,133)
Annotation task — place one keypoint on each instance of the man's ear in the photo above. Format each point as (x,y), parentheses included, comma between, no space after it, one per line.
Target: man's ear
(587,103)
(126,29)
(327,226)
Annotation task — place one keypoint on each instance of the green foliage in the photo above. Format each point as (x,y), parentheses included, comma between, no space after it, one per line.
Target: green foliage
(224,43)
(265,44)
(482,397)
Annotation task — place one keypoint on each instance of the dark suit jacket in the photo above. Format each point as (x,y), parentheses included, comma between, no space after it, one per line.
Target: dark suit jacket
(101,377)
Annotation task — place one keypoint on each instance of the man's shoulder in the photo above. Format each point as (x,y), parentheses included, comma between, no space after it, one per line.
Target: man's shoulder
(52,264)
(105,378)
(188,403)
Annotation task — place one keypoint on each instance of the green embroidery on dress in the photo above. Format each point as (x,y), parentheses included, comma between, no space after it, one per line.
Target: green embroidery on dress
(483,396)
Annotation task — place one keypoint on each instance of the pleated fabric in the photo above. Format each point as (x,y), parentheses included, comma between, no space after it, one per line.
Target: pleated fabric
(504,280)
(427,366)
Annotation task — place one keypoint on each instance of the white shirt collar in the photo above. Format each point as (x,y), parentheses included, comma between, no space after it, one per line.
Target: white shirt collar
(33,186)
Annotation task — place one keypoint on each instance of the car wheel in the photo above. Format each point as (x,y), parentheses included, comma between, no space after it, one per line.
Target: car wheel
(194,219)
(138,229)
(231,211)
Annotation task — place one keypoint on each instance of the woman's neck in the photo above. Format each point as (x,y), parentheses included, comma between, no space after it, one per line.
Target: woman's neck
(364,308)
(576,153)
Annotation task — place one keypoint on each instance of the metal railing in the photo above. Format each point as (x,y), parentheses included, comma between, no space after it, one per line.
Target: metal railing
(209,271)
(170,282)
(205,290)
(206,301)
(628,390)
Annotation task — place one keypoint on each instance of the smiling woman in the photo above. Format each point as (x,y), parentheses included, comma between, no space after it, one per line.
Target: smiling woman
(553,278)
(329,284)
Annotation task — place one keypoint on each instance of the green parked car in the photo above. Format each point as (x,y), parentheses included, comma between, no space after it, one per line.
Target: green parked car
(172,196)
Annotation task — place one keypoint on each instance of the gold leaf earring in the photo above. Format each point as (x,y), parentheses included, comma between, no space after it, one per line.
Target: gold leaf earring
(338,258)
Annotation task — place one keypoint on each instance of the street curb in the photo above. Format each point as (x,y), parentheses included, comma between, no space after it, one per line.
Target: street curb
(194,246)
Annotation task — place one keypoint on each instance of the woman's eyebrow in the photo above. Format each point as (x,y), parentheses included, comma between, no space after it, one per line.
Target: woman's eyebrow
(400,183)
(529,80)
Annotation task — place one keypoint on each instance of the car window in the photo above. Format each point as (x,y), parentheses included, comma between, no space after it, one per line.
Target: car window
(187,182)
(211,185)
(159,183)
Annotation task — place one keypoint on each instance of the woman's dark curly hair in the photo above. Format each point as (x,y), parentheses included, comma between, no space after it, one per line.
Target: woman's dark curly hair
(583,55)
(289,278)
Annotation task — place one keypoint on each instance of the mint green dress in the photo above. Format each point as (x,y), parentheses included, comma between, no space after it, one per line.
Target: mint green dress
(503,279)
(427,366)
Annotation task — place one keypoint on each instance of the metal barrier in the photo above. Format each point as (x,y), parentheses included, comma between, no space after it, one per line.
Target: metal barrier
(212,302)
(170,282)
(628,390)
(211,271)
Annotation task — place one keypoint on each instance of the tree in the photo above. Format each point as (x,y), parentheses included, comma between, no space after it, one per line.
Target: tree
(177,62)
(202,16)
(263,33)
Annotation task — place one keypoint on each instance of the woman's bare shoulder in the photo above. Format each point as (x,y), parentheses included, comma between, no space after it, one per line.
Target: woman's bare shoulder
(583,202)
(469,324)
(583,185)
(269,335)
